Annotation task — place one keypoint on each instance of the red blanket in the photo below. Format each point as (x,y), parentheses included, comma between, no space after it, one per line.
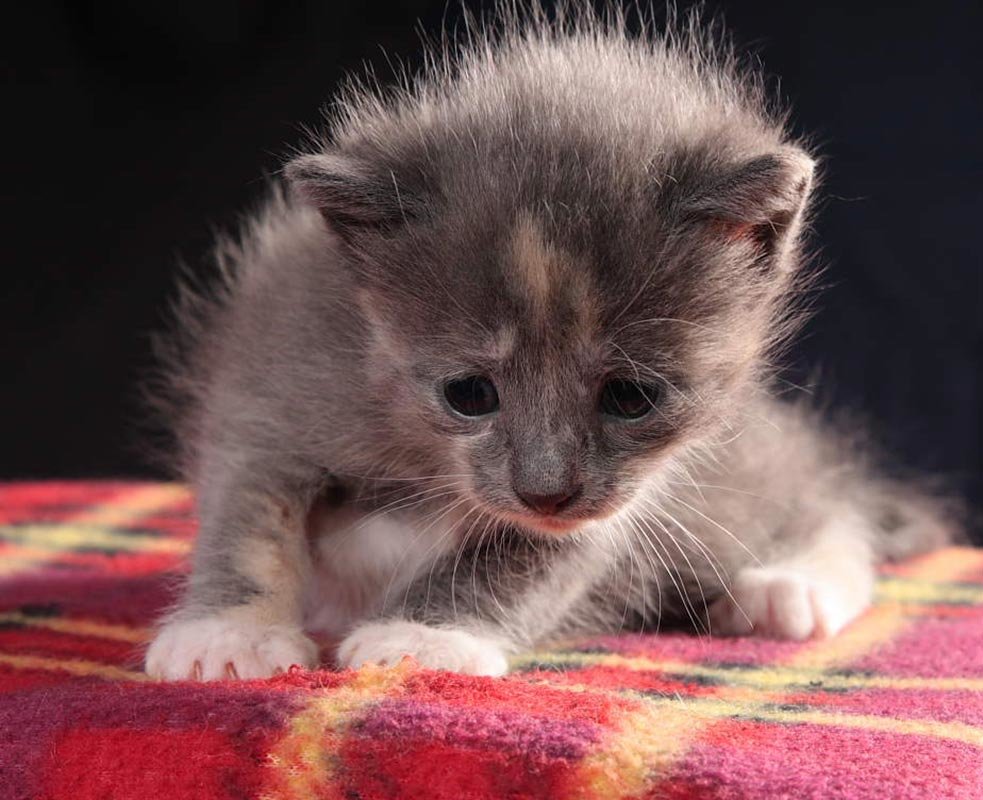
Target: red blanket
(891,708)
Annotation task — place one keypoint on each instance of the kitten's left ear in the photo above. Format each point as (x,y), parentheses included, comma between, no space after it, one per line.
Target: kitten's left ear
(761,202)
(354,198)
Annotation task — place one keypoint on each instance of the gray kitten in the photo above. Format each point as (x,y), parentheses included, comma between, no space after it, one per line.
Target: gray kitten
(494,369)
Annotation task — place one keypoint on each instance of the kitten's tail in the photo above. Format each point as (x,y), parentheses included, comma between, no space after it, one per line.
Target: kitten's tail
(912,520)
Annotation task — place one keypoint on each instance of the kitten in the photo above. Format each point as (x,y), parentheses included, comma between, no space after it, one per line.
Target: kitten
(494,369)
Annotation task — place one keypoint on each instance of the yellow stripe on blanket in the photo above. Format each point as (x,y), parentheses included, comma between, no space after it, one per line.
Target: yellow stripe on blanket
(299,767)
(77,627)
(71,665)
(132,504)
(30,547)
(645,742)
(901,590)
(764,677)
(721,709)
(13,563)
(73,536)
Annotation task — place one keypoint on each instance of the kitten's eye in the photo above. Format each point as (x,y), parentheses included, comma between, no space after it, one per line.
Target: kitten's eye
(628,399)
(473,396)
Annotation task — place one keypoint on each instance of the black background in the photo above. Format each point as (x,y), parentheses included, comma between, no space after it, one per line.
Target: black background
(133,129)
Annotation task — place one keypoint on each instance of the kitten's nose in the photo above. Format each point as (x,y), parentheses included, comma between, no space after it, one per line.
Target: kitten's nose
(549,503)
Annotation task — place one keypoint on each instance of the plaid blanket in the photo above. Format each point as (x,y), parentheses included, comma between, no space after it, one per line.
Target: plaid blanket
(892,708)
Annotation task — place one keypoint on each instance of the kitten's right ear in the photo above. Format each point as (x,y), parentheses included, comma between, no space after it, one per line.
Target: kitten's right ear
(760,202)
(352,197)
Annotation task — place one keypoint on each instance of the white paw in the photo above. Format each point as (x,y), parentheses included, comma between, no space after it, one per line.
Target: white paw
(784,603)
(214,648)
(437,648)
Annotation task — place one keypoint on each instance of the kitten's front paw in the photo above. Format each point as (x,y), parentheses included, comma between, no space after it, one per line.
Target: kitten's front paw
(783,603)
(215,648)
(436,648)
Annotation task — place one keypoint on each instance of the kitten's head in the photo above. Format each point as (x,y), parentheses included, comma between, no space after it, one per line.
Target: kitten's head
(565,291)
(561,339)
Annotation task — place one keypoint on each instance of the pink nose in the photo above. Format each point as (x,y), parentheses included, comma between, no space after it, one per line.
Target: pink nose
(549,503)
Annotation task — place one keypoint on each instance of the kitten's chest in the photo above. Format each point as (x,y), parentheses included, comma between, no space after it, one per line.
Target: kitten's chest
(362,560)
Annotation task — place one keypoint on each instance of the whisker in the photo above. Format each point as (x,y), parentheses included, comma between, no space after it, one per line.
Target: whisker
(404,503)
(692,569)
(449,532)
(635,520)
(496,541)
(474,570)
(655,540)
(712,522)
(420,533)
(631,573)
(462,546)
(725,583)
(718,487)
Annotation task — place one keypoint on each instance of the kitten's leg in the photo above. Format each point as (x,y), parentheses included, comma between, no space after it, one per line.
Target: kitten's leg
(812,594)
(476,608)
(240,616)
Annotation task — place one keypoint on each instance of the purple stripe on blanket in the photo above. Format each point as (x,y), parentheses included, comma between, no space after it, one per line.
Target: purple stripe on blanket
(479,728)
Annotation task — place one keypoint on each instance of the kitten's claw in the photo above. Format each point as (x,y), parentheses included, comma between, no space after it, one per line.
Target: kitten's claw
(386,643)
(784,603)
(215,648)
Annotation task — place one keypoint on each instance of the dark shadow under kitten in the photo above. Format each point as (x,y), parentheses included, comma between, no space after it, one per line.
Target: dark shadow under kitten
(495,369)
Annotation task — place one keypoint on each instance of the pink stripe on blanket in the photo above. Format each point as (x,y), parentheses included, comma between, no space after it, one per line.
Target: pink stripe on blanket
(943,648)
(750,759)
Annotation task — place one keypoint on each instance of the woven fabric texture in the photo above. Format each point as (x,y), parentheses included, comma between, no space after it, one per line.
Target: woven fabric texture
(891,708)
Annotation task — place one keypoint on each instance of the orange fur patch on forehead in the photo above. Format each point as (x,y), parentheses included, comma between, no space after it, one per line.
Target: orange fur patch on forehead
(537,264)
(551,282)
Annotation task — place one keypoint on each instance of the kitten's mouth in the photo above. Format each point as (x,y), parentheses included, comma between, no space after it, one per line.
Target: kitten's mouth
(551,525)
(547,524)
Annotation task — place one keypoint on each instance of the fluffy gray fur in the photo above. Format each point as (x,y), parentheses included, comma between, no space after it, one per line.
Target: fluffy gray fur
(551,204)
